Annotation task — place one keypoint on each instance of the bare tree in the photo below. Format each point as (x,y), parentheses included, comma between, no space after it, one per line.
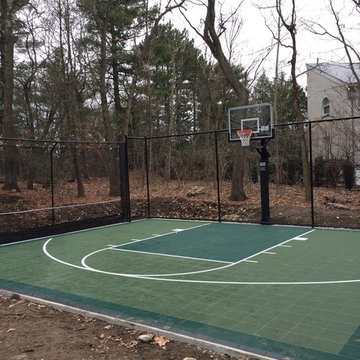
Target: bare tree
(352,53)
(211,36)
(212,39)
(68,104)
(291,26)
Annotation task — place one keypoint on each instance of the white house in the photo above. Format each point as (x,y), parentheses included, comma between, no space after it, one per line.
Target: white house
(333,92)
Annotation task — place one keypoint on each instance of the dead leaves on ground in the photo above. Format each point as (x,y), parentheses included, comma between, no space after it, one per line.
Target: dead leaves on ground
(161,341)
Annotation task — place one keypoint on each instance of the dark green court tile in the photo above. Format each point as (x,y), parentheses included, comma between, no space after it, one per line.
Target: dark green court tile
(350,352)
(352,347)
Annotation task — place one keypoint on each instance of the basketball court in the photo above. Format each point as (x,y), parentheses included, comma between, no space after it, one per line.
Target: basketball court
(274,291)
(266,291)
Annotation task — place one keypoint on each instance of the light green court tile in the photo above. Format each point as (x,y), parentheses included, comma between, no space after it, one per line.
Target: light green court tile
(200,317)
(297,339)
(290,316)
(350,319)
(237,313)
(320,313)
(343,327)
(307,329)
(350,309)
(271,333)
(247,327)
(256,301)
(332,347)
(282,324)
(307,303)
(319,322)
(332,335)
(220,321)
(259,319)
(332,305)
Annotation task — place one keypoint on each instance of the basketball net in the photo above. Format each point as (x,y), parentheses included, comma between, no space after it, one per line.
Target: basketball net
(244,136)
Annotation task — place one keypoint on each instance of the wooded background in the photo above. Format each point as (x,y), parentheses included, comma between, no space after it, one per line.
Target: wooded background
(97,71)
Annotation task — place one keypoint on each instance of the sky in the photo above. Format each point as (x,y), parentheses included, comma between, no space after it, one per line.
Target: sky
(255,35)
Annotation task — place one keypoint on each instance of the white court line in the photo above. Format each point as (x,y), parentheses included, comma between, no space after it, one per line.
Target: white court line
(269,253)
(151,276)
(83,261)
(143,276)
(285,246)
(298,238)
(328,282)
(174,256)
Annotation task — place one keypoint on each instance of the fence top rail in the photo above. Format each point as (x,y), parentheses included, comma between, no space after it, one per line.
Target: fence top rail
(194,133)
(52,141)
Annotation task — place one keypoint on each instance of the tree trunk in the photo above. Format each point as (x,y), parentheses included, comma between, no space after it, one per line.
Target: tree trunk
(78,172)
(69,105)
(237,180)
(212,40)
(7,79)
(116,86)
(111,160)
(291,28)
(169,149)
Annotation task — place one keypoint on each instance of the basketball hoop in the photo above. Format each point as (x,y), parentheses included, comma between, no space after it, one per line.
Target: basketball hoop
(244,136)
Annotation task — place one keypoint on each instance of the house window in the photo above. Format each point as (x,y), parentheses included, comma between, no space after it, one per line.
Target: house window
(326,106)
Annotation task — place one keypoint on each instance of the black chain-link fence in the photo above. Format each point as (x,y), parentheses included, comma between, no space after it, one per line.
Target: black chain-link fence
(60,182)
(314,178)
(314,170)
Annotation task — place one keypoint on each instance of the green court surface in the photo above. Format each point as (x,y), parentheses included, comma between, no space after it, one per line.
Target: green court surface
(280,292)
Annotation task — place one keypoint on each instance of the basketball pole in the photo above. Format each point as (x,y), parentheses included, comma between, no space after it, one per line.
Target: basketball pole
(264,183)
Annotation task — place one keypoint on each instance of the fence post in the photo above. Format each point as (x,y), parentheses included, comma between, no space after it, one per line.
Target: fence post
(52,183)
(124,181)
(311,177)
(147,176)
(217,176)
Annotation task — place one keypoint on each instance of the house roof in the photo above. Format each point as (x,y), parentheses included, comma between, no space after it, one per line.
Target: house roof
(338,72)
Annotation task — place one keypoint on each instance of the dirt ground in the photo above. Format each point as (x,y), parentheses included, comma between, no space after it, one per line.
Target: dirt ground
(333,207)
(30,331)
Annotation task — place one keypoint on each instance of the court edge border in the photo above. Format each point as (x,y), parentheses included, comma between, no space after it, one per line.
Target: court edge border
(206,344)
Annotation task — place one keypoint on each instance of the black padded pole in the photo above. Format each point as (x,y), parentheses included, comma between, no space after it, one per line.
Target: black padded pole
(217,175)
(264,184)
